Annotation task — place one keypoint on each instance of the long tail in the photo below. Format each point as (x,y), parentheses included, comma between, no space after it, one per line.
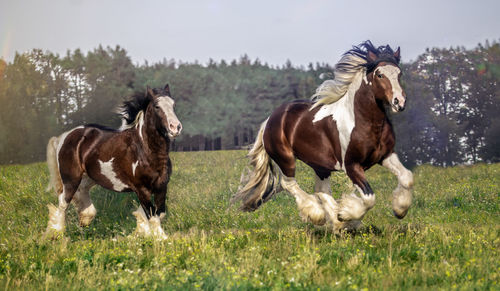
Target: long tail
(261,183)
(55,181)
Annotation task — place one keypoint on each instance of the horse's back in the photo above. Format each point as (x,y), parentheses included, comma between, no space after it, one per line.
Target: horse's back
(291,133)
(74,146)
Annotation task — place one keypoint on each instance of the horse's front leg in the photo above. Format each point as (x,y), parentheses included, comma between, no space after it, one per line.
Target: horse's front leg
(353,207)
(148,218)
(159,215)
(402,196)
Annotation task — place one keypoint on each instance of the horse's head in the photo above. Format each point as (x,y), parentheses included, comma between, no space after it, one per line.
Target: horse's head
(163,106)
(385,78)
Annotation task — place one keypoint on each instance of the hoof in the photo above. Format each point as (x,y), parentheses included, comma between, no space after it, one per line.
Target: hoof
(156,229)
(313,212)
(400,215)
(86,216)
(352,207)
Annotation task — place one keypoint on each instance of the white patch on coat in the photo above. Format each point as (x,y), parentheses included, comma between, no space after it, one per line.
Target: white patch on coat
(342,112)
(392,73)
(134,165)
(108,172)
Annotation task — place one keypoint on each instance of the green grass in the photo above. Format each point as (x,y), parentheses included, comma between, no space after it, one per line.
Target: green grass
(449,239)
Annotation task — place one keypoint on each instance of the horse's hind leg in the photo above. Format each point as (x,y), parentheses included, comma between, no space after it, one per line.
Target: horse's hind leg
(309,206)
(57,215)
(66,175)
(83,203)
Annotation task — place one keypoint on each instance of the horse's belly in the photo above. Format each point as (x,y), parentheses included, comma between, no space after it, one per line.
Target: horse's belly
(107,176)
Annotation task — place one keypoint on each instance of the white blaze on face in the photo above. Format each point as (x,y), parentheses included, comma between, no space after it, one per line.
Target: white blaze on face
(108,172)
(167,106)
(392,72)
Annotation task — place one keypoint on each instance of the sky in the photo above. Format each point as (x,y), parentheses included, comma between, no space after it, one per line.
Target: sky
(272,31)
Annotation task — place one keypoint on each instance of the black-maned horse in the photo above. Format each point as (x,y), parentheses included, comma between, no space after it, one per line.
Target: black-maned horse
(345,127)
(132,158)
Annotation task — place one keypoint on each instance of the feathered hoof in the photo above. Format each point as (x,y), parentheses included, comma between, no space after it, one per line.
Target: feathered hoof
(149,228)
(143,228)
(351,208)
(331,207)
(311,211)
(156,229)
(86,216)
(56,224)
(401,201)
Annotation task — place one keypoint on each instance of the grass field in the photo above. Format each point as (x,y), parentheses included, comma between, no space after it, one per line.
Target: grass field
(450,238)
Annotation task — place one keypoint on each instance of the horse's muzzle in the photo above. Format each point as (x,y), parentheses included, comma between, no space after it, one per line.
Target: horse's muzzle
(398,105)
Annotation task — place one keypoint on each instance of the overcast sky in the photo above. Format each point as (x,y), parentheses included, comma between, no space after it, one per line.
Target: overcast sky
(273,31)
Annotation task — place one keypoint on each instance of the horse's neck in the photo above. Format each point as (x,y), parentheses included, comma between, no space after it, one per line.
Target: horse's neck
(157,144)
(367,108)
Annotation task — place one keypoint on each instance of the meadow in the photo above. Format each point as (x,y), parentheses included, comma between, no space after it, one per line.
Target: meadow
(449,240)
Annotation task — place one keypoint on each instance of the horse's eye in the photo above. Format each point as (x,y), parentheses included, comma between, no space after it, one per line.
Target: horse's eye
(380,76)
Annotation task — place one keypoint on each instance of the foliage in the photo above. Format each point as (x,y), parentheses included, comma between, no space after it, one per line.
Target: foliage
(449,240)
(451,118)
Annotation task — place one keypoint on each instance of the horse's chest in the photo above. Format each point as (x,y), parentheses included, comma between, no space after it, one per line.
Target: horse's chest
(155,175)
(342,115)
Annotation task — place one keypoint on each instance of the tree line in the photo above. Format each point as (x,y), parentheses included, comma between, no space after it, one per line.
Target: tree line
(452,115)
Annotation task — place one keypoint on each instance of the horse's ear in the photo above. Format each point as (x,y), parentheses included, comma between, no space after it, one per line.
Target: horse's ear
(167,90)
(397,54)
(150,93)
(371,56)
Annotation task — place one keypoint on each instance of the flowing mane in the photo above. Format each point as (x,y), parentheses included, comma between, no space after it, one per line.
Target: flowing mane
(133,109)
(352,62)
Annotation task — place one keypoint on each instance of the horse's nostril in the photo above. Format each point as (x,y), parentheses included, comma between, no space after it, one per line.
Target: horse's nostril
(396,101)
(179,127)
